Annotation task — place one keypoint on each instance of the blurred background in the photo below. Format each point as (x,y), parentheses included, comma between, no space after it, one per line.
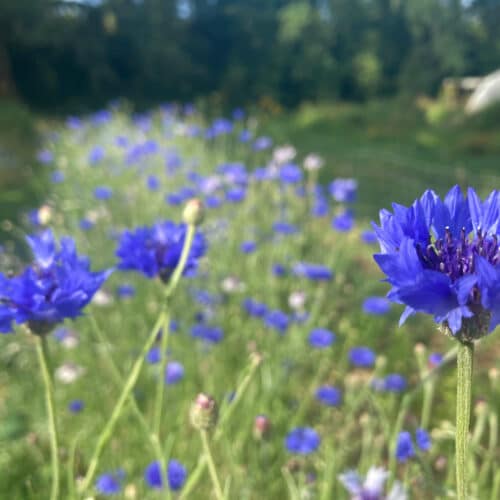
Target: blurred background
(383,89)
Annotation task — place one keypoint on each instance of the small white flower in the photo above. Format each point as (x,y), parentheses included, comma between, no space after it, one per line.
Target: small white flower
(313,162)
(69,373)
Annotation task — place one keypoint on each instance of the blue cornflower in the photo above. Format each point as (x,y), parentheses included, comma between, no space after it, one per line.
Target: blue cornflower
(262,143)
(58,285)
(45,157)
(442,258)
(303,440)
(152,183)
(176,475)
(404,447)
(369,237)
(314,272)
(423,439)
(248,246)
(57,177)
(103,192)
(435,359)
(329,395)
(376,305)
(236,194)
(254,308)
(212,334)
(321,338)
(362,357)
(174,372)
(282,227)
(290,173)
(279,270)
(320,207)
(96,155)
(343,222)
(76,406)
(110,482)
(344,190)
(394,383)
(155,251)
(245,136)
(154,355)
(86,224)
(277,320)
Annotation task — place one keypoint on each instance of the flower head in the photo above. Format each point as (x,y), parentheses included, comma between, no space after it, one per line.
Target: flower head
(303,440)
(404,447)
(58,285)
(321,338)
(328,395)
(442,258)
(176,475)
(156,251)
(362,357)
(110,482)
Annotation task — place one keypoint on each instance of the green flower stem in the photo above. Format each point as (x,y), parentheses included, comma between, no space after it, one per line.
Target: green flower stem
(43,359)
(193,478)
(464,385)
(118,380)
(211,465)
(126,391)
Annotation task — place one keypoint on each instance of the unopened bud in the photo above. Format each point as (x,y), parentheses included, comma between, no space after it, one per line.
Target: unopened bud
(193,212)
(261,427)
(203,413)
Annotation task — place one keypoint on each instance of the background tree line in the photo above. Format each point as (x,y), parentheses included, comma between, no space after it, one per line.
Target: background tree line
(74,54)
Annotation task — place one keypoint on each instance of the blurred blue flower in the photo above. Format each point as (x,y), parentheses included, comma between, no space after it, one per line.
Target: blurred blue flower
(57,177)
(435,359)
(290,173)
(376,305)
(362,357)
(373,487)
(277,320)
(343,222)
(76,406)
(282,227)
(45,157)
(110,482)
(441,258)
(423,439)
(394,383)
(344,190)
(302,440)
(314,272)
(103,192)
(404,447)
(96,155)
(211,334)
(254,308)
(329,395)
(279,270)
(174,372)
(262,143)
(152,183)
(245,136)
(321,338)
(369,237)
(86,224)
(248,246)
(176,475)
(236,194)
(155,251)
(58,285)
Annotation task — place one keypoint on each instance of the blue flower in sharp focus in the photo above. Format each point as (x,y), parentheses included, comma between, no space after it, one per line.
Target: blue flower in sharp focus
(441,257)
(302,440)
(58,285)
(155,251)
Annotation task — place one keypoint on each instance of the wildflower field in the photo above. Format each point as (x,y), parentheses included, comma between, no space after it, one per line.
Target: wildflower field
(196,316)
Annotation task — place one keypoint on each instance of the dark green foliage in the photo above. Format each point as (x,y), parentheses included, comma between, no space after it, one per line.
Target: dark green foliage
(64,54)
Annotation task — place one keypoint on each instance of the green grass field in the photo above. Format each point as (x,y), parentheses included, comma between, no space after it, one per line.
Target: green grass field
(394,156)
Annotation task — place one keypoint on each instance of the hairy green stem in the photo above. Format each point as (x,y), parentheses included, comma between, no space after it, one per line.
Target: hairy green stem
(211,465)
(464,386)
(43,359)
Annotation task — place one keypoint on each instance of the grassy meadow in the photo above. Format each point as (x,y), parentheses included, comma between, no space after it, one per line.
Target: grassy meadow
(259,231)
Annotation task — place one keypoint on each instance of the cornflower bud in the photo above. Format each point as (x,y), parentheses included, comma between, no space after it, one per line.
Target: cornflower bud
(203,413)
